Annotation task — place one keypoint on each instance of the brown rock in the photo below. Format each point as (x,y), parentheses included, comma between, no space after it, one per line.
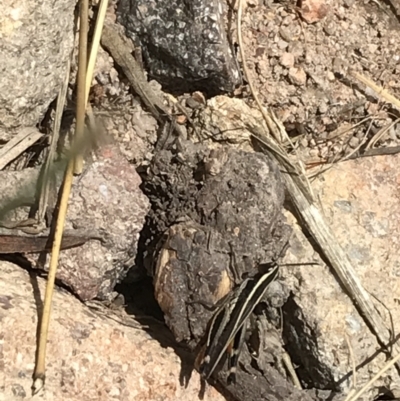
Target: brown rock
(107,198)
(313,10)
(297,76)
(89,356)
(230,202)
(287,60)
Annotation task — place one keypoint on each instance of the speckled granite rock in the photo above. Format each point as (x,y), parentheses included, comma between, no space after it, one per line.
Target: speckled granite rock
(106,201)
(106,198)
(36,39)
(89,356)
(183,42)
(360,201)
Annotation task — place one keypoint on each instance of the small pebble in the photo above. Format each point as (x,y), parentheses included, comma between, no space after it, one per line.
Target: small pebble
(282,44)
(297,76)
(192,103)
(304,142)
(285,34)
(287,60)
(296,48)
(329,28)
(323,108)
(348,3)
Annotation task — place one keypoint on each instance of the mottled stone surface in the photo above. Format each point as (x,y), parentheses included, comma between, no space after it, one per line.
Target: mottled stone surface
(229,203)
(17,187)
(183,42)
(360,201)
(36,39)
(105,199)
(89,356)
(223,120)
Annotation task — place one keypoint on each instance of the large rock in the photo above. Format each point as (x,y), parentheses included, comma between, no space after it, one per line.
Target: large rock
(361,203)
(184,43)
(230,202)
(36,39)
(89,356)
(107,200)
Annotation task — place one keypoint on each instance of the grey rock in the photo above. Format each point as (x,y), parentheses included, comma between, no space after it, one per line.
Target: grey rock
(17,188)
(183,42)
(105,200)
(36,41)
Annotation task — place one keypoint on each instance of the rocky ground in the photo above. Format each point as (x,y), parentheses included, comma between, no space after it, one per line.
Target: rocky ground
(301,57)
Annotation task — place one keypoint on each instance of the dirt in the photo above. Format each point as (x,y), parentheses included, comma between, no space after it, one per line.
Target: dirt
(301,71)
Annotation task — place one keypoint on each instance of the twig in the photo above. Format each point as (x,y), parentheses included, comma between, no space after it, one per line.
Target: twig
(353,368)
(18,144)
(380,133)
(341,131)
(98,29)
(40,368)
(114,43)
(378,89)
(392,362)
(390,150)
(81,79)
(354,151)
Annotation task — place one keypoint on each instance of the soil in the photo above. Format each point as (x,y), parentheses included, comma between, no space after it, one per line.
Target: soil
(301,70)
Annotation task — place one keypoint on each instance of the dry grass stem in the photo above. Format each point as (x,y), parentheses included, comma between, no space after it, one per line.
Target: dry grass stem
(18,144)
(50,157)
(388,365)
(353,368)
(40,368)
(81,81)
(376,88)
(380,134)
(98,29)
(291,370)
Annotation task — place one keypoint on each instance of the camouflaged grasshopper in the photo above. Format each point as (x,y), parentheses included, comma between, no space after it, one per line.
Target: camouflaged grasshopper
(226,329)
